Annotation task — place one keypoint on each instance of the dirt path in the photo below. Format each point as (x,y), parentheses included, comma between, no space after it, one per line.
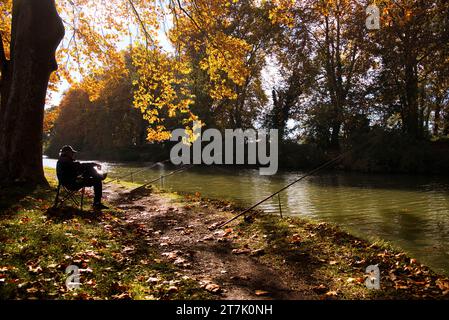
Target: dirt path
(180,233)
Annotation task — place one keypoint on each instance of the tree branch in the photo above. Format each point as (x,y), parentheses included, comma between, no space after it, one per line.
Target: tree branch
(142,24)
(189,16)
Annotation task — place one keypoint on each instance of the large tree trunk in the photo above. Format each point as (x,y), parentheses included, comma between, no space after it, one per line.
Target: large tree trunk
(37,30)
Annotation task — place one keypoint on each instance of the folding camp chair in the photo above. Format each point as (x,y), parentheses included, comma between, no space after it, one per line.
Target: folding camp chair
(68,195)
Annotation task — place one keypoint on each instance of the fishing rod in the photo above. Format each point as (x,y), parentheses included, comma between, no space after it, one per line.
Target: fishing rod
(137,171)
(183,168)
(319,168)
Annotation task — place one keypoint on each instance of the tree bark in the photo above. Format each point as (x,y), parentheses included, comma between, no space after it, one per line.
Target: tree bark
(5,79)
(36,32)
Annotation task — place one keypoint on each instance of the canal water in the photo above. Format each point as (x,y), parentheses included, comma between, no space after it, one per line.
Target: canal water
(411,212)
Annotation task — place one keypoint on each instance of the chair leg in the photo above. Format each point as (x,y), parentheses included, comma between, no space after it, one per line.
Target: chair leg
(64,199)
(57,196)
(69,194)
(74,200)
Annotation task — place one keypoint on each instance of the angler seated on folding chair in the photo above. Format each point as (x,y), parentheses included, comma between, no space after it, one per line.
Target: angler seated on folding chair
(74,175)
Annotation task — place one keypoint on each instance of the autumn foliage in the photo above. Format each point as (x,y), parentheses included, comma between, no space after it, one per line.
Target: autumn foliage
(195,59)
(95,37)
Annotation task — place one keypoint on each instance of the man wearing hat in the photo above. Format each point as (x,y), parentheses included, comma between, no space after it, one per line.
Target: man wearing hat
(76,175)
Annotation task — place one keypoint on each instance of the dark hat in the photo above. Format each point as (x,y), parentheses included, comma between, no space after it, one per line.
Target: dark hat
(67,148)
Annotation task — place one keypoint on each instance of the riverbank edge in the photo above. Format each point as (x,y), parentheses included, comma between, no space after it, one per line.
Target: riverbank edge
(335,260)
(318,258)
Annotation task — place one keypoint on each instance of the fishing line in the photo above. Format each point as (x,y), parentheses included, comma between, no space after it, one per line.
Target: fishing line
(137,171)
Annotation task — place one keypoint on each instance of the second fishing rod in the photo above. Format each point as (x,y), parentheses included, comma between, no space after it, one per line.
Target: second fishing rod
(314,171)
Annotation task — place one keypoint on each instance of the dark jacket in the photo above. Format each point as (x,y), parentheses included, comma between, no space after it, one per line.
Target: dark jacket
(68,170)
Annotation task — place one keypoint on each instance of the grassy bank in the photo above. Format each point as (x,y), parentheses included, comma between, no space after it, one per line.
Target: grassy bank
(120,258)
(336,261)
(37,244)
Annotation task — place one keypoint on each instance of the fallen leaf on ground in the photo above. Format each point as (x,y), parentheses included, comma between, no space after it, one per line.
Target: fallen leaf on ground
(128,249)
(392,276)
(32,290)
(241,251)
(214,226)
(213,287)
(153,280)
(295,239)
(24,220)
(261,293)
(37,269)
(401,286)
(170,255)
(320,288)
(179,261)
(257,252)
(442,284)
(121,296)
(173,289)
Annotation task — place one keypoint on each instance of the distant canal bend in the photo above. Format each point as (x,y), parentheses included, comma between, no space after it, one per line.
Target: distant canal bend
(412,212)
